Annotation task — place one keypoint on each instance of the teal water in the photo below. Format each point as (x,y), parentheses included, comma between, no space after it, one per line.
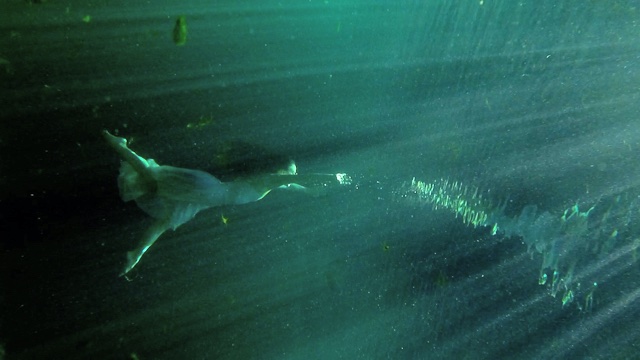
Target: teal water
(532,102)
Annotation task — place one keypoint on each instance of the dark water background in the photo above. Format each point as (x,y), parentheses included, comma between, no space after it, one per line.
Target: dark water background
(533,101)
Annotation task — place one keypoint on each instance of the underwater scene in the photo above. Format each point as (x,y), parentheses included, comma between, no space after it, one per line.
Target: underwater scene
(319,179)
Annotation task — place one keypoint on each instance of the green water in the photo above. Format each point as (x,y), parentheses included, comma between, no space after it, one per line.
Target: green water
(532,102)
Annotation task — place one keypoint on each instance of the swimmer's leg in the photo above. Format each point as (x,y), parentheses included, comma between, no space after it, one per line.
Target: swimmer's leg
(150,236)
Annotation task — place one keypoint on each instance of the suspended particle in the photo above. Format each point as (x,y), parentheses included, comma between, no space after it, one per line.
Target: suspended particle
(588,299)
(543,278)
(567,298)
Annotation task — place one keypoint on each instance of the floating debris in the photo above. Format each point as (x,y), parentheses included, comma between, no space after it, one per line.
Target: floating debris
(202,121)
(6,65)
(180,31)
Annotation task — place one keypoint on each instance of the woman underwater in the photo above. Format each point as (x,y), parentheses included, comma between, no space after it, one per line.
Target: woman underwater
(173,196)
